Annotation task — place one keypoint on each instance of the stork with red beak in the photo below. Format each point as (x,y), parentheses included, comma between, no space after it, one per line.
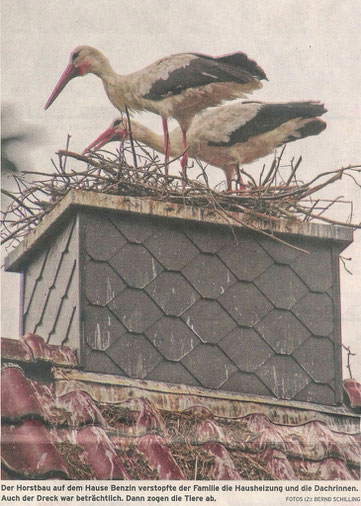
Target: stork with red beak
(177,86)
(232,134)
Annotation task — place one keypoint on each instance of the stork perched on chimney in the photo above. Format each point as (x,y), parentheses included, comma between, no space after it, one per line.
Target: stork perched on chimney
(231,134)
(177,86)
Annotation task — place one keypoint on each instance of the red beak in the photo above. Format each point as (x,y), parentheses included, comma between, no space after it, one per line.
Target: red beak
(108,135)
(66,76)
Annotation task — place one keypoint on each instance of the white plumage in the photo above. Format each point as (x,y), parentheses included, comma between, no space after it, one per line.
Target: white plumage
(233,134)
(177,86)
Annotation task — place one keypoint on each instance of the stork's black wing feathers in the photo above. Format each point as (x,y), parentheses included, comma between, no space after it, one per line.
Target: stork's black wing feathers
(204,70)
(241,60)
(271,116)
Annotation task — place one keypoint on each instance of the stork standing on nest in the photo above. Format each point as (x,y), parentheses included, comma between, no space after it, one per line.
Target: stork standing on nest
(177,86)
(232,134)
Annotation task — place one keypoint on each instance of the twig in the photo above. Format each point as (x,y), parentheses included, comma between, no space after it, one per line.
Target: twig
(13,197)
(131,138)
(298,163)
(66,149)
(349,355)
(344,260)
(329,220)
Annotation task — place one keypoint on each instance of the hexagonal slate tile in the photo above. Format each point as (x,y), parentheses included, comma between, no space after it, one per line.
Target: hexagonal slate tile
(31,276)
(135,309)
(246,348)
(136,265)
(282,331)
(209,320)
(101,283)
(315,311)
(102,239)
(172,293)
(172,338)
(135,355)
(98,361)
(209,275)
(320,394)
(283,376)
(209,365)
(171,247)
(245,303)
(136,228)
(317,357)
(208,238)
(172,372)
(315,269)
(281,286)
(281,253)
(247,383)
(245,258)
(101,328)
(331,291)
(58,245)
(332,336)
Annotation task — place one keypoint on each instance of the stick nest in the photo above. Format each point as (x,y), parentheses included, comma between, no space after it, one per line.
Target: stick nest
(138,172)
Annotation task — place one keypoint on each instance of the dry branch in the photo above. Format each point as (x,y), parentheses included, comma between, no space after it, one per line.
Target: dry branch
(349,355)
(110,173)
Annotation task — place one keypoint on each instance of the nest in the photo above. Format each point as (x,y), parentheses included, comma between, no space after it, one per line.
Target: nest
(138,172)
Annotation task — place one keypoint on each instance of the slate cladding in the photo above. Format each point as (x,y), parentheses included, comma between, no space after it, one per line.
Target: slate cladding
(194,304)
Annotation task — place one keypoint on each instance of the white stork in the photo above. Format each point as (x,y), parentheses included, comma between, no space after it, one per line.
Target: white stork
(177,86)
(230,135)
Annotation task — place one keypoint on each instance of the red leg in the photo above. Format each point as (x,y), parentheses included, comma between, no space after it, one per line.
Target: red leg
(229,182)
(184,158)
(239,182)
(240,186)
(166,144)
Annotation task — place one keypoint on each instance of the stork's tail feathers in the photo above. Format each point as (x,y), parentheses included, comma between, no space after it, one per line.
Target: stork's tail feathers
(313,127)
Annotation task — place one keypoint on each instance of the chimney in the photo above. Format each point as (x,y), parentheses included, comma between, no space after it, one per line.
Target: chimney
(174,293)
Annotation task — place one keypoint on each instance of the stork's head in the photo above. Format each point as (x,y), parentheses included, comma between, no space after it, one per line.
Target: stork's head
(117,131)
(83,59)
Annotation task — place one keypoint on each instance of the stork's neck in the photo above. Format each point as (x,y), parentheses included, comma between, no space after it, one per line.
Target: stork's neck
(115,85)
(147,136)
(103,69)
(156,141)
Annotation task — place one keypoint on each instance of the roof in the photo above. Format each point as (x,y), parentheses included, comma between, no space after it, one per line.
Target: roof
(61,422)
(342,235)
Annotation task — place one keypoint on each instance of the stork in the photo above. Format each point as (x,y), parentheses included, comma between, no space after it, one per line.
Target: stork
(177,86)
(232,134)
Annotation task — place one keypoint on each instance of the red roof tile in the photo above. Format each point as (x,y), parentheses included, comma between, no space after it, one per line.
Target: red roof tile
(278,465)
(224,467)
(61,355)
(101,454)
(160,457)
(14,349)
(17,397)
(148,419)
(108,427)
(353,390)
(327,469)
(82,408)
(28,451)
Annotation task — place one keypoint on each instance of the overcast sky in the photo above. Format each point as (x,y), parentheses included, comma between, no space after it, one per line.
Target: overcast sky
(309,50)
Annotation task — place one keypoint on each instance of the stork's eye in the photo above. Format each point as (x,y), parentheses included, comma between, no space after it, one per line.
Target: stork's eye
(75,55)
(117,122)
